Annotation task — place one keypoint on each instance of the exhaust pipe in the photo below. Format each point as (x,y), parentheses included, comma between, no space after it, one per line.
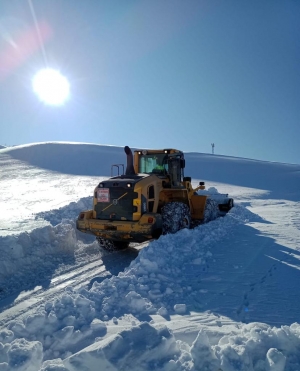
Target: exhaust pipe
(129,167)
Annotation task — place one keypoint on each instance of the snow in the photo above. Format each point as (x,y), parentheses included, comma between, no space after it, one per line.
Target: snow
(223,296)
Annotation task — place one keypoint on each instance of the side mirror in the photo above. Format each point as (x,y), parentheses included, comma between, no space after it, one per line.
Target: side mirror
(202,183)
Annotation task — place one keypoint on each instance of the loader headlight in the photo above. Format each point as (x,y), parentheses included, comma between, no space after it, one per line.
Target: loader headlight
(129,185)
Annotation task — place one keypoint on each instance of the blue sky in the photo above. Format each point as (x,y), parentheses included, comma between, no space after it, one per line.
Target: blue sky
(155,73)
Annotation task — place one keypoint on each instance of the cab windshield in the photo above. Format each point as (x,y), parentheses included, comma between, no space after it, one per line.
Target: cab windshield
(153,163)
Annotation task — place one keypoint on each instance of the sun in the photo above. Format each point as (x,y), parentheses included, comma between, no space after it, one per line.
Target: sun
(51,87)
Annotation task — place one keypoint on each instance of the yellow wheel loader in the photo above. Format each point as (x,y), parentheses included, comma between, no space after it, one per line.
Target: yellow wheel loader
(152,198)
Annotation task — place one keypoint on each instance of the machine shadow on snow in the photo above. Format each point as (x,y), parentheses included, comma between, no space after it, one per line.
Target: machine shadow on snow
(115,262)
(253,277)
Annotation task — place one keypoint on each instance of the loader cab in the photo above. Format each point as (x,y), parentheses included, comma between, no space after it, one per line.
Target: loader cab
(152,163)
(165,163)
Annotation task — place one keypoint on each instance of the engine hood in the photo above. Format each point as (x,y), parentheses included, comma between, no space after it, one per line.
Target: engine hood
(119,181)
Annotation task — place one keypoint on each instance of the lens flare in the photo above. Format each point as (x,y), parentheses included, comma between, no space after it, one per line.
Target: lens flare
(51,87)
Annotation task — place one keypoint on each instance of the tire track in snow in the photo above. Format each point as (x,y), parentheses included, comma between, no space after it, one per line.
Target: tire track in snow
(29,300)
(110,264)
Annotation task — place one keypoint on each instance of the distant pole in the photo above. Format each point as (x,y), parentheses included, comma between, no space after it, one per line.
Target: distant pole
(213,148)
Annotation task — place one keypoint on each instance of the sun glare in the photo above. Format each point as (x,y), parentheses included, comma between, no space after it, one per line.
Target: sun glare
(51,87)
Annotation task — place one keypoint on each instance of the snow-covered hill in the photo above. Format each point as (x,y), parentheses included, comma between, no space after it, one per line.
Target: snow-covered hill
(222,296)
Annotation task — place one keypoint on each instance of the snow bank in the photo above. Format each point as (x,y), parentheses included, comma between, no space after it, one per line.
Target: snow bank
(260,347)
(158,281)
(68,212)
(257,347)
(43,247)
(34,259)
(155,282)
(22,254)
(141,348)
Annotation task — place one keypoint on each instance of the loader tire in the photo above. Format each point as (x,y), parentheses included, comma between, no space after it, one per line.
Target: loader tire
(211,211)
(175,216)
(110,245)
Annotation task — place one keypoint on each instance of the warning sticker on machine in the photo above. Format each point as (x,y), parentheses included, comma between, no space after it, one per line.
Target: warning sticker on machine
(103,195)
